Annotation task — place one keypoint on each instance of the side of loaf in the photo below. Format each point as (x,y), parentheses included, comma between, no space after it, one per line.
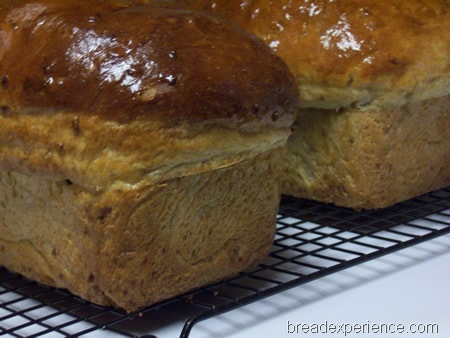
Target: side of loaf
(374,81)
(369,159)
(134,246)
(137,147)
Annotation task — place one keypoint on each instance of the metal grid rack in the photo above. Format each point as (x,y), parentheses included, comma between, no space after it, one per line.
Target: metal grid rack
(313,240)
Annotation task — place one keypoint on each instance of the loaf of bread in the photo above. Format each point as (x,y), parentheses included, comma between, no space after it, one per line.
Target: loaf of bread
(136,147)
(374,80)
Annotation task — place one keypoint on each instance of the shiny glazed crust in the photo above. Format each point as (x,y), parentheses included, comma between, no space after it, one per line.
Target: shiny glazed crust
(374,81)
(352,52)
(136,145)
(100,85)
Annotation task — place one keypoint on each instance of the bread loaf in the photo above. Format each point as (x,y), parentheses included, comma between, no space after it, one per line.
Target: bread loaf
(374,80)
(136,147)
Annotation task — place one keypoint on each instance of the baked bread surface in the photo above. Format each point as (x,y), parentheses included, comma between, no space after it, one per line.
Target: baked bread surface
(136,147)
(367,159)
(352,52)
(97,79)
(133,247)
(373,126)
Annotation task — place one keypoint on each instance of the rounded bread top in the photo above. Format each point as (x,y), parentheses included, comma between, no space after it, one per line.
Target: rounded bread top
(125,62)
(346,52)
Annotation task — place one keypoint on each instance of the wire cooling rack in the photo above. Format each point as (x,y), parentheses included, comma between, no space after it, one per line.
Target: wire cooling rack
(313,240)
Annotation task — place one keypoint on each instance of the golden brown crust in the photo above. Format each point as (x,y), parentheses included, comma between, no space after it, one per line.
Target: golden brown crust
(352,52)
(95,153)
